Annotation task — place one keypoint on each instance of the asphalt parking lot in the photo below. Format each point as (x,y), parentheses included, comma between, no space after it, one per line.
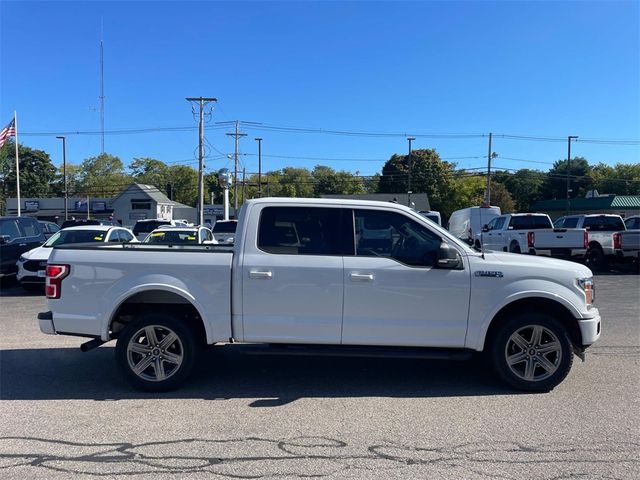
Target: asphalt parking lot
(67,414)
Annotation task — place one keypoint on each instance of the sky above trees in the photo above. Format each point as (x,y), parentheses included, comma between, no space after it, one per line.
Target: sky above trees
(541,69)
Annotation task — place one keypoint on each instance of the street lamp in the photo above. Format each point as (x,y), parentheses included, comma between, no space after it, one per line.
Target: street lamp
(259,140)
(569,138)
(410,139)
(64,173)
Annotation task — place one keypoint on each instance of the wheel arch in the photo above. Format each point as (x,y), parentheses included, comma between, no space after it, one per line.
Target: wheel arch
(541,305)
(162,298)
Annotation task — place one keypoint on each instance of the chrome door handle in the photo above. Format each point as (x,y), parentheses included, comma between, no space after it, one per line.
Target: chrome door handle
(22,245)
(260,274)
(361,277)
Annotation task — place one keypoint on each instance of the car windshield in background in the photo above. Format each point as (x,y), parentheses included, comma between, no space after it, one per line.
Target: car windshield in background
(172,237)
(225,227)
(64,237)
(146,227)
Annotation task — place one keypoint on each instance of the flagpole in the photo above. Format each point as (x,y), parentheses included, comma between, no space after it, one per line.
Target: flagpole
(15,124)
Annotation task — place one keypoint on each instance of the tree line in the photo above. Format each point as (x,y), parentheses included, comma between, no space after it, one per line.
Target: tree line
(448,187)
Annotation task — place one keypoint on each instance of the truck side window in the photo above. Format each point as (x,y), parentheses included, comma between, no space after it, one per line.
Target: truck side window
(570,222)
(393,235)
(301,231)
(30,228)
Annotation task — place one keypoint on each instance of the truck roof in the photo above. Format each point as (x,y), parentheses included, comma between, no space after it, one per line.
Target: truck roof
(328,201)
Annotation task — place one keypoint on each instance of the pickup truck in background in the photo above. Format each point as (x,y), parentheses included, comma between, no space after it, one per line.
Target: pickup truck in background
(564,243)
(627,243)
(600,228)
(509,233)
(323,276)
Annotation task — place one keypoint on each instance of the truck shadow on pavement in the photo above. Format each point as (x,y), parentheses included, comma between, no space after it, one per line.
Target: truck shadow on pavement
(226,373)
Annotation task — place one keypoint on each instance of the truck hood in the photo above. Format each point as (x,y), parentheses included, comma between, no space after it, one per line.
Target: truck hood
(533,265)
(38,253)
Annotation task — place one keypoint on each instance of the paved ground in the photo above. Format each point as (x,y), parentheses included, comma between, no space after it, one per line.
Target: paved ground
(67,414)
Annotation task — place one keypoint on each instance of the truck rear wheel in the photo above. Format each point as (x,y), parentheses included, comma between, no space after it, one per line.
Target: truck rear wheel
(156,352)
(532,352)
(595,259)
(515,247)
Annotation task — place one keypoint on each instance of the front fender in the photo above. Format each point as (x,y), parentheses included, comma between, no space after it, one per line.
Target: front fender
(480,318)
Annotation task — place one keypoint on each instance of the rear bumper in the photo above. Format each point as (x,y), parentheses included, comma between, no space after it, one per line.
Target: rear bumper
(563,253)
(590,328)
(45,320)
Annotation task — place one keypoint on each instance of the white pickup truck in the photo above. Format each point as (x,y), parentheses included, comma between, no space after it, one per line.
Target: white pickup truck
(532,233)
(302,274)
(600,228)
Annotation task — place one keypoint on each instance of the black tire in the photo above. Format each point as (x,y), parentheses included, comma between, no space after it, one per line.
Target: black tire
(595,259)
(135,348)
(514,247)
(546,369)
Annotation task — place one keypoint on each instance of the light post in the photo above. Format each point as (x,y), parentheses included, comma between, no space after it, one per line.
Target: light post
(259,140)
(64,173)
(410,139)
(569,138)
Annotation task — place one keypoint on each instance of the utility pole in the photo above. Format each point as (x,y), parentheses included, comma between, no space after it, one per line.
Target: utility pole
(102,84)
(410,139)
(235,165)
(259,140)
(490,155)
(202,101)
(244,183)
(64,174)
(569,138)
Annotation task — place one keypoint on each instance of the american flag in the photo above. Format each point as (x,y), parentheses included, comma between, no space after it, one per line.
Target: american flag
(8,131)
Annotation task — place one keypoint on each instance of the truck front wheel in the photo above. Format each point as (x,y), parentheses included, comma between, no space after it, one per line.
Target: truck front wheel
(532,352)
(156,352)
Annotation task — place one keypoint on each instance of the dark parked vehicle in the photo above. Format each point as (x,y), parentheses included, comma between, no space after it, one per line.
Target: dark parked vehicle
(48,228)
(17,235)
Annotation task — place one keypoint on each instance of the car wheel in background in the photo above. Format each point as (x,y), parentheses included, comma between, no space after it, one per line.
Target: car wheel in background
(595,259)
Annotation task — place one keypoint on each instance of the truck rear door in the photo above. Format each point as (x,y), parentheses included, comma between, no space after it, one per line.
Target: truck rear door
(292,277)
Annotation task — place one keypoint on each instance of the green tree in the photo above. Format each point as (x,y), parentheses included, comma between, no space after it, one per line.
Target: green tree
(294,182)
(184,184)
(555,183)
(150,171)
(102,176)
(330,182)
(622,179)
(525,187)
(37,173)
(429,174)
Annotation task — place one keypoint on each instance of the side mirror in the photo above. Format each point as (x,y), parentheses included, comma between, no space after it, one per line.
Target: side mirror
(448,257)
(485,228)
(4,239)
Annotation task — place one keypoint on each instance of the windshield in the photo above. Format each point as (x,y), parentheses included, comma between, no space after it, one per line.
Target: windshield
(225,227)
(64,237)
(182,237)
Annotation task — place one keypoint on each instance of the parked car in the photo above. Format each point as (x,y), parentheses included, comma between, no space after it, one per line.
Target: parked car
(48,228)
(224,231)
(33,264)
(432,215)
(300,276)
(168,235)
(627,243)
(17,235)
(142,228)
(600,227)
(467,222)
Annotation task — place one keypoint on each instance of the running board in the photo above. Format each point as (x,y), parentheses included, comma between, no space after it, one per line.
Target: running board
(357,351)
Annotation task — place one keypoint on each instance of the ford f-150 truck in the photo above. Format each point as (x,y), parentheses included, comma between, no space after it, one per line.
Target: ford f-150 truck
(306,273)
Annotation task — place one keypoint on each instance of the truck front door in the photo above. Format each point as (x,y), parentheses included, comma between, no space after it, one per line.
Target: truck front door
(394,295)
(292,278)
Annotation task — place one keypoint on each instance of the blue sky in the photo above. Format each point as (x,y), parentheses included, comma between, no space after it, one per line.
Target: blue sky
(547,69)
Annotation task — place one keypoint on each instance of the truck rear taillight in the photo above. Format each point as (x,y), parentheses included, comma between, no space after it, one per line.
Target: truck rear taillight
(617,241)
(55,275)
(586,239)
(531,239)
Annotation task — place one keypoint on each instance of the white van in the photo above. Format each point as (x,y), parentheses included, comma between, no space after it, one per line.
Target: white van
(466,222)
